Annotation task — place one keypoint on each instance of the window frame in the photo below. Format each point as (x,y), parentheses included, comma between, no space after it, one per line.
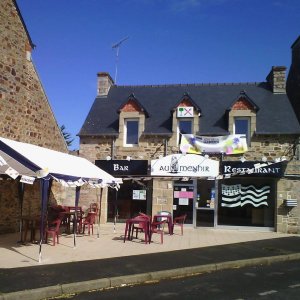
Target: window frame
(126,132)
(179,120)
(248,133)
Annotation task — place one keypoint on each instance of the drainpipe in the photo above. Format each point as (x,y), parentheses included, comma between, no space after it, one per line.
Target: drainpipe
(113,148)
(165,147)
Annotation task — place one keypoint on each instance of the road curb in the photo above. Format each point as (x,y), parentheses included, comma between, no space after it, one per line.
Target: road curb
(102,283)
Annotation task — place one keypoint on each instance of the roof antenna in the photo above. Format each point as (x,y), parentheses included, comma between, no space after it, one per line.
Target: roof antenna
(117,46)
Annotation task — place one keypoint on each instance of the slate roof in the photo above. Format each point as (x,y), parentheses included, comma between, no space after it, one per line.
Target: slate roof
(296,44)
(275,114)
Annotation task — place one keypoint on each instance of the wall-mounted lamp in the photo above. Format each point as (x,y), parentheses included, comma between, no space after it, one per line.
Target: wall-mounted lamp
(243,159)
(264,159)
(108,157)
(128,158)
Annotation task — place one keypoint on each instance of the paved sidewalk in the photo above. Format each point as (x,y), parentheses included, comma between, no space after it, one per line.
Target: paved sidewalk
(107,261)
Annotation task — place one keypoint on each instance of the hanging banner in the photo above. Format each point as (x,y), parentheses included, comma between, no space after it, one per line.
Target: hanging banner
(230,144)
(189,165)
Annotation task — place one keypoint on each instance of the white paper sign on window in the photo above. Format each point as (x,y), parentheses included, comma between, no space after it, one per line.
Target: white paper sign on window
(139,194)
(183,201)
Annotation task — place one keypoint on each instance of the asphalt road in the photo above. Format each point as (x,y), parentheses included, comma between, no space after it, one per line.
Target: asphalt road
(276,281)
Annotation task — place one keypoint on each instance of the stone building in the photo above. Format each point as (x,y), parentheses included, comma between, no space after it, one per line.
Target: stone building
(293,80)
(25,111)
(130,129)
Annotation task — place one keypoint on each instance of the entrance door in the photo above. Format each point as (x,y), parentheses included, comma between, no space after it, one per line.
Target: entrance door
(205,203)
(183,198)
(127,202)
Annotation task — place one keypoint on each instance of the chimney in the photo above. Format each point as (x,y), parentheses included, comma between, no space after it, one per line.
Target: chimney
(104,83)
(276,79)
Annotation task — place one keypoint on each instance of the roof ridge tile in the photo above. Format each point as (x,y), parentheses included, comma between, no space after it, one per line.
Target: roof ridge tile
(188,84)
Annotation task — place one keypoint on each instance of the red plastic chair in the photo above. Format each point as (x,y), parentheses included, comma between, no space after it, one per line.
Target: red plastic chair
(140,226)
(53,230)
(89,221)
(179,221)
(158,227)
(94,209)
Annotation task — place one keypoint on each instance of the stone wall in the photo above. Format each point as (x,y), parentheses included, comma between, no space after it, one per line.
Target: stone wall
(25,112)
(288,218)
(10,206)
(271,147)
(101,147)
(162,195)
(150,148)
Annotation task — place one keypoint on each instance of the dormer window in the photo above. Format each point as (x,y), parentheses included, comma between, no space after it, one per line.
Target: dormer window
(185,118)
(185,126)
(131,132)
(132,116)
(241,125)
(242,116)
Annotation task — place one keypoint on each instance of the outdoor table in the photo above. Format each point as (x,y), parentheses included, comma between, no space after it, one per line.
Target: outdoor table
(138,220)
(69,218)
(157,218)
(29,223)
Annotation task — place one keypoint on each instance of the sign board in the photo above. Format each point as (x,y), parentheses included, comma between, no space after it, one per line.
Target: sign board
(253,168)
(189,165)
(123,167)
(185,112)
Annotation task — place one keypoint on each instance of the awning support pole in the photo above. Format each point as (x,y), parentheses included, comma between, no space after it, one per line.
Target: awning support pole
(44,184)
(77,194)
(99,215)
(116,211)
(21,189)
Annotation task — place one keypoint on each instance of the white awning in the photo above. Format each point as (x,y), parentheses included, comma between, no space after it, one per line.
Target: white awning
(34,161)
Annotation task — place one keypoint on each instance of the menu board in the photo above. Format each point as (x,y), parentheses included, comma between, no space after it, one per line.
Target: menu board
(139,194)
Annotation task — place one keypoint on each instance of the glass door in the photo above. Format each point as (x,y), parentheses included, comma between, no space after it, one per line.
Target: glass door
(183,199)
(205,203)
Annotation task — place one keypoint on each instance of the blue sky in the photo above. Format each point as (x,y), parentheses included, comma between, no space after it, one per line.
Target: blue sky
(170,41)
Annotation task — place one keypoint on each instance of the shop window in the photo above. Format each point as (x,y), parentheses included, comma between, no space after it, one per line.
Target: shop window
(242,126)
(127,202)
(131,132)
(247,202)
